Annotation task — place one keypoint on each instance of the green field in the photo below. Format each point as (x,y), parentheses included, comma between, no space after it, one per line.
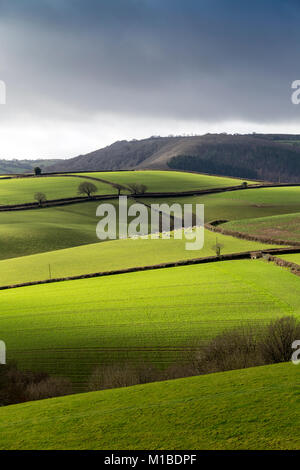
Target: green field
(280,227)
(19,190)
(66,327)
(114,254)
(293,258)
(256,408)
(51,228)
(232,205)
(165,181)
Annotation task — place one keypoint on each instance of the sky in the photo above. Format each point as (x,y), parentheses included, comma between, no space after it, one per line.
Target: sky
(81,74)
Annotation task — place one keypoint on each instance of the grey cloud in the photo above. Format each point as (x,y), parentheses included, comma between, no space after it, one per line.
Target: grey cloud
(207,60)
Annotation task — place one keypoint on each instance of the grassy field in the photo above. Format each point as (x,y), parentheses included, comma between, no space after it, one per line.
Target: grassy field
(165,181)
(280,227)
(232,205)
(52,228)
(256,408)
(69,327)
(19,190)
(293,258)
(114,254)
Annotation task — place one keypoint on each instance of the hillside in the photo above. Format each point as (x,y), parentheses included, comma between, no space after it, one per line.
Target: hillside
(8,167)
(245,156)
(256,408)
(140,316)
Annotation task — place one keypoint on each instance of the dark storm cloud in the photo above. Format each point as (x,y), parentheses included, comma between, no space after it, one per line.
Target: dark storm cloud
(204,59)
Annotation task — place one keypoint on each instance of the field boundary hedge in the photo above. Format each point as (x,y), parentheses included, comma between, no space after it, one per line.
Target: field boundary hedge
(294,267)
(251,254)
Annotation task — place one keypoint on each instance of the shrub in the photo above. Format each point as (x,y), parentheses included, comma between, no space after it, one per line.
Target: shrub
(47,388)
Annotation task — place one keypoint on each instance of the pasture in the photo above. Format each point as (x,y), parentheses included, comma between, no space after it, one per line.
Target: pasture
(20,190)
(112,255)
(67,328)
(166,181)
(280,227)
(293,258)
(51,228)
(256,408)
(249,203)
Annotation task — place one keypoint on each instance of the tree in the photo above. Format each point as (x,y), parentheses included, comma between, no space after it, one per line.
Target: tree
(40,198)
(37,171)
(244,185)
(87,188)
(118,187)
(137,188)
(217,248)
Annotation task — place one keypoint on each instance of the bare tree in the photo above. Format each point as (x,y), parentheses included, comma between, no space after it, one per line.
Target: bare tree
(87,188)
(40,198)
(137,188)
(118,187)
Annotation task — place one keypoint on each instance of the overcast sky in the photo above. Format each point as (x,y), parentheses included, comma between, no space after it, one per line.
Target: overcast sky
(81,74)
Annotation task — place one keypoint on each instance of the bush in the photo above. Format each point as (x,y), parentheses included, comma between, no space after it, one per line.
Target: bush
(47,388)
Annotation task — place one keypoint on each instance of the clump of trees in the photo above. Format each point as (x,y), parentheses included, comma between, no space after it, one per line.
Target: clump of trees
(40,198)
(18,386)
(37,171)
(137,188)
(87,188)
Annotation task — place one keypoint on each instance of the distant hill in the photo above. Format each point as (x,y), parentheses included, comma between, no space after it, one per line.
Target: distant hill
(273,157)
(23,166)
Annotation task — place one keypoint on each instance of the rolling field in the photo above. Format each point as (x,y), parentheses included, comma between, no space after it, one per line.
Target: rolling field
(19,190)
(114,254)
(52,228)
(252,203)
(293,258)
(256,408)
(67,328)
(280,227)
(166,181)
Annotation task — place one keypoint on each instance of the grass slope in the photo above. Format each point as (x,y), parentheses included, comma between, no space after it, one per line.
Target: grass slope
(256,408)
(167,181)
(261,202)
(53,228)
(114,254)
(281,227)
(293,258)
(69,327)
(19,190)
